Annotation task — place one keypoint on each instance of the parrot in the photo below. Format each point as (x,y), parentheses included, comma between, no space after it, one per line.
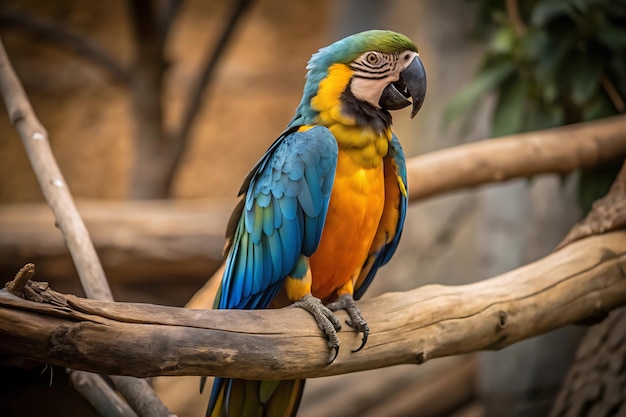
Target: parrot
(323,209)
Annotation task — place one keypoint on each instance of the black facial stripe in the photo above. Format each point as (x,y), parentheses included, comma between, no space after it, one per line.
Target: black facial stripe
(370,66)
(364,71)
(367,64)
(368,77)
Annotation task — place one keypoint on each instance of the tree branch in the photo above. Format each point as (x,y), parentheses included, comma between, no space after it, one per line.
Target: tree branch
(53,32)
(585,279)
(35,140)
(608,213)
(559,150)
(99,394)
(16,287)
(193,231)
(198,87)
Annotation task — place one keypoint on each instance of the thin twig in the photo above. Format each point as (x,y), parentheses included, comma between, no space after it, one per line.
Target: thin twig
(53,32)
(613,94)
(99,394)
(167,14)
(144,402)
(35,140)
(198,87)
(512,10)
(24,275)
(151,145)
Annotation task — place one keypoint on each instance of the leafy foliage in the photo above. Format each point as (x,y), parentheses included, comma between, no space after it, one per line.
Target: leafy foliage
(550,63)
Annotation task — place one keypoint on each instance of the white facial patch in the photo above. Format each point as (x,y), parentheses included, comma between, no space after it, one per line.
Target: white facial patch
(374,71)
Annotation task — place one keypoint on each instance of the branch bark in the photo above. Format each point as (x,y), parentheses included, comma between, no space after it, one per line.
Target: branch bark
(195,230)
(136,240)
(35,140)
(608,213)
(99,394)
(559,150)
(585,279)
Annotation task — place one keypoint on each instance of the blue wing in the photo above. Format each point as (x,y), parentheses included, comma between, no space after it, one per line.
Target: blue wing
(280,218)
(390,227)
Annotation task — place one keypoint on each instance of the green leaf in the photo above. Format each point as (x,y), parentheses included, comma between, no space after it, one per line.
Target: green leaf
(611,36)
(486,81)
(548,67)
(509,110)
(550,9)
(598,108)
(503,41)
(535,43)
(542,116)
(585,79)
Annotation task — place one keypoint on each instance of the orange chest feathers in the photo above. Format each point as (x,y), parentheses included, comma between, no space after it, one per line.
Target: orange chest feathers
(356,205)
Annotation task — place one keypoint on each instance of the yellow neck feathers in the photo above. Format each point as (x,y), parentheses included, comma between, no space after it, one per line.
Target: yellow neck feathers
(365,145)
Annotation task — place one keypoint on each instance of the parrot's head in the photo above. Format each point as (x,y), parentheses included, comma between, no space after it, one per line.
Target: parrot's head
(376,70)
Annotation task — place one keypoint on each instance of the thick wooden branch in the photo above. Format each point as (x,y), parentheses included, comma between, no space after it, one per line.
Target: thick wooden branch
(55,190)
(136,240)
(559,150)
(607,214)
(585,279)
(193,231)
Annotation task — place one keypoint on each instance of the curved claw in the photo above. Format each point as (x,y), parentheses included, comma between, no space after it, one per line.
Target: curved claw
(326,321)
(366,333)
(336,350)
(346,302)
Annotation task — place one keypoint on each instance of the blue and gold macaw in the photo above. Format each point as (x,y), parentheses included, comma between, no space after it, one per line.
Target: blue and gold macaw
(323,209)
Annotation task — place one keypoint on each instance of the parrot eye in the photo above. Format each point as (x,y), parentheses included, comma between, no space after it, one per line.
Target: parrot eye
(406,56)
(372,58)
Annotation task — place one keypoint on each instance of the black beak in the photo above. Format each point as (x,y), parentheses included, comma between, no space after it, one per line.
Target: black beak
(412,84)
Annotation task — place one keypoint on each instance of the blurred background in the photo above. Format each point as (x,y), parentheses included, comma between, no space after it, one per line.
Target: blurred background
(154,131)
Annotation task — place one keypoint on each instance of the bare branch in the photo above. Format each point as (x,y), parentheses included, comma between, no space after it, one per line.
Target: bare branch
(583,280)
(198,86)
(560,150)
(35,140)
(512,10)
(192,231)
(607,213)
(53,32)
(166,15)
(152,148)
(24,275)
(613,94)
(140,396)
(99,394)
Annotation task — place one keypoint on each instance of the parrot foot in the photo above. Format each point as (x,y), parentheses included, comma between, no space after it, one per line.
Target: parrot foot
(325,319)
(346,302)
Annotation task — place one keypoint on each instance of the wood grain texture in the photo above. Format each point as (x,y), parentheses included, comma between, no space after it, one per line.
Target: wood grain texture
(135,238)
(595,384)
(559,150)
(585,279)
(34,138)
